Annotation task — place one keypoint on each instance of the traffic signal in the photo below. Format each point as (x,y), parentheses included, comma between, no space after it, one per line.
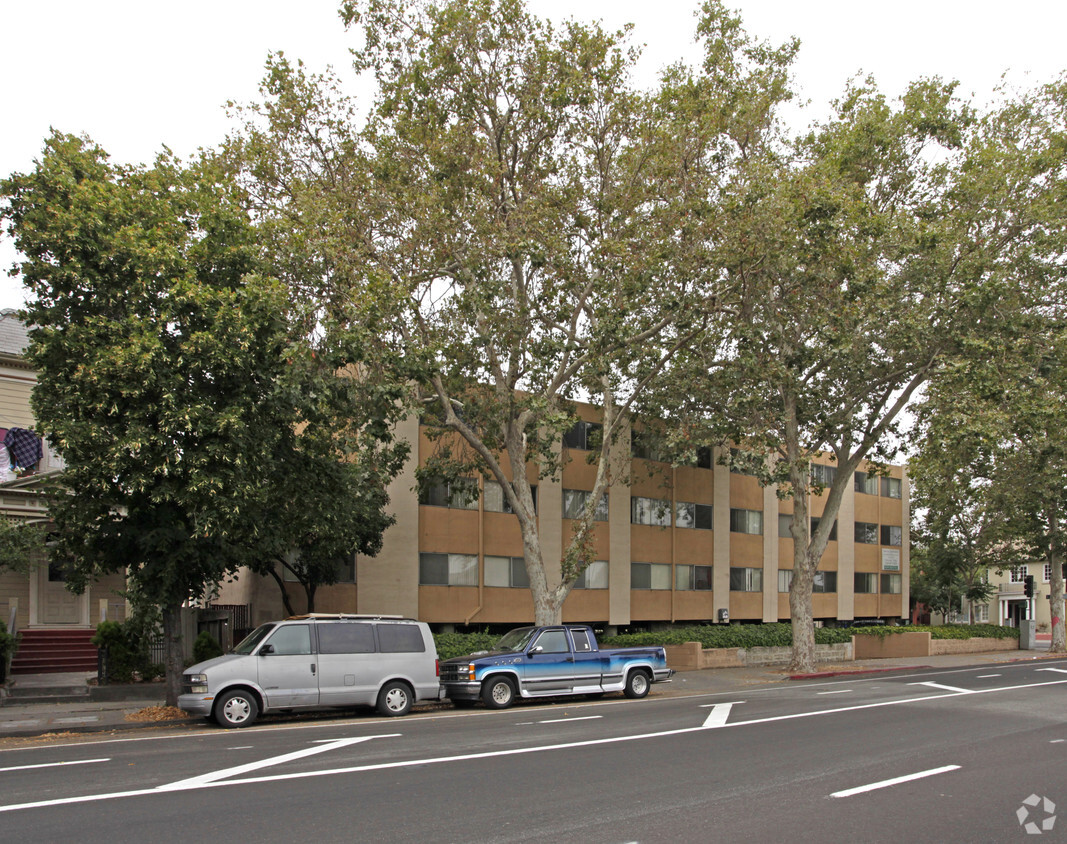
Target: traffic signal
(1028,586)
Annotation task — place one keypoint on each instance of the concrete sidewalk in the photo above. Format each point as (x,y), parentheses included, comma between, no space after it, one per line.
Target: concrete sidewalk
(37,719)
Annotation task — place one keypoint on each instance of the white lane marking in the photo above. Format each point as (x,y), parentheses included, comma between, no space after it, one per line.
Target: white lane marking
(848,792)
(54,764)
(410,763)
(718,715)
(567,720)
(1056,741)
(837,692)
(987,676)
(953,689)
(207,779)
(241,747)
(1057,670)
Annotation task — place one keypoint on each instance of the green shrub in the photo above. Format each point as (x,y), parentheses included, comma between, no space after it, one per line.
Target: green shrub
(128,648)
(460,644)
(206,647)
(947,631)
(7,647)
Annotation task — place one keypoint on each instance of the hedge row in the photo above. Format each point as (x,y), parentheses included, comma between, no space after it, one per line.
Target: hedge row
(736,636)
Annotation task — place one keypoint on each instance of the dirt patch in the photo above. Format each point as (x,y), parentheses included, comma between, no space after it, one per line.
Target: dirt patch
(157,713)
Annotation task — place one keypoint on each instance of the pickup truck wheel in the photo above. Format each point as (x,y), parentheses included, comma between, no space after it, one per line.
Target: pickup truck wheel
(236,709)
(498,692)
(637,683)
(394,699)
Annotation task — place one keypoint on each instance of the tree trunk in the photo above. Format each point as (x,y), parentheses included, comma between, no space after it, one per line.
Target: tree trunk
(1058,644)
(173,658)
(285,592)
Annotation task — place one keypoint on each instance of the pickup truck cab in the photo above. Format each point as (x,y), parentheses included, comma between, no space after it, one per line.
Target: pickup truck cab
(532,662)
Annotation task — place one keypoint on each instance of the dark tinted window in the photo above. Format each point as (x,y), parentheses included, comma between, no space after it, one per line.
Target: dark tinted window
(346,638)
(400,639)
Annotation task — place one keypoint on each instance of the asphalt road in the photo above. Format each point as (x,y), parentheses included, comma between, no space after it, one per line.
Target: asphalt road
(964,755)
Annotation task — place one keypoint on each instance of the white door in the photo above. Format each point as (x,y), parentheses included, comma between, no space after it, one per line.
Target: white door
(55,603)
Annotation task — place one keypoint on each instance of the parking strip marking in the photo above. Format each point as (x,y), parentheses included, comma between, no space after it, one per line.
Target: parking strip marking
(835,692)
(848,792)
(953,689)
(54,764)
(565,720)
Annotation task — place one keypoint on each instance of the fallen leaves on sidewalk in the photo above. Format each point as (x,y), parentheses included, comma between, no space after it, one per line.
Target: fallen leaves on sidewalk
(157,713)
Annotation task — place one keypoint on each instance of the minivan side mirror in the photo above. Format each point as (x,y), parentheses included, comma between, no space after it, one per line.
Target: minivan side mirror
(266,649)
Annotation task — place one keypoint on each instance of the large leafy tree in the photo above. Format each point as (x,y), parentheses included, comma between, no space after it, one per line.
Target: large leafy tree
(527,225)
(171,379)
(867,255)
(991,429)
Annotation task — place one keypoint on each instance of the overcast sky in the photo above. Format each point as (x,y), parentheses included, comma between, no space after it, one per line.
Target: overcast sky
(137,74)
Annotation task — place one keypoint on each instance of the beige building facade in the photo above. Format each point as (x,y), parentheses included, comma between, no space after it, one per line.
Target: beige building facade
(673,544)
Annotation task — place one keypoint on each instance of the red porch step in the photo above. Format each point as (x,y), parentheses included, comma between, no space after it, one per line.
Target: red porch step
(54,652)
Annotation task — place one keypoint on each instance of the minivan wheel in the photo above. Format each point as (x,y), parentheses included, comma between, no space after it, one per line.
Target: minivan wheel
(236,709)
(498,692)
(394,699)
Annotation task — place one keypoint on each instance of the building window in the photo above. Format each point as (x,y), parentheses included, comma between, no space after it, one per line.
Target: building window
(704,457)
(815,524)
(1048,572)
(507,572)
(643,447)
(825,581)
(1018,573)
(494,500)
(574,501)
(746,521)
(584,435)
(890,584)
(688,515)
(823,475)
(785,520)
(746,580)
(892,534)
(867,533)
(459,494)
(650,511)
(448,570)
(650,576)
(891,487)
(692,577)
(981,613)
(595,576)
(865,583)
(866,483)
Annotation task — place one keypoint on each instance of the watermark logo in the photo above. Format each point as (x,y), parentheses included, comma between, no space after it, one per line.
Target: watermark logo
(1034,820)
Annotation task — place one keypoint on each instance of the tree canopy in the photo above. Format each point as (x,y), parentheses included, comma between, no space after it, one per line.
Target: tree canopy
(171,380)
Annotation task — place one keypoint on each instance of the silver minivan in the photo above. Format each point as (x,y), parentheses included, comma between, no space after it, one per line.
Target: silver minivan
(317,661)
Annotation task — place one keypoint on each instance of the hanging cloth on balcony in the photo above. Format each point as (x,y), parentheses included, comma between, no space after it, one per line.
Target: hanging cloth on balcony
(24,447)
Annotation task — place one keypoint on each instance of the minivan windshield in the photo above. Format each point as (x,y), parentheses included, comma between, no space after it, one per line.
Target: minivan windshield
(249,642)
(515,640)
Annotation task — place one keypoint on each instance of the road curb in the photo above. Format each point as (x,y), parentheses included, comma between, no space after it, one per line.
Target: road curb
(847,672)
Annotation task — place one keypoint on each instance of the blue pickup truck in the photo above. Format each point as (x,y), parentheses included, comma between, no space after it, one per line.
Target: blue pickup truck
(534,662)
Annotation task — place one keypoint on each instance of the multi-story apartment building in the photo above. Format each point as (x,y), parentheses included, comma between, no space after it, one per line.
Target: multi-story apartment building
(672,544)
